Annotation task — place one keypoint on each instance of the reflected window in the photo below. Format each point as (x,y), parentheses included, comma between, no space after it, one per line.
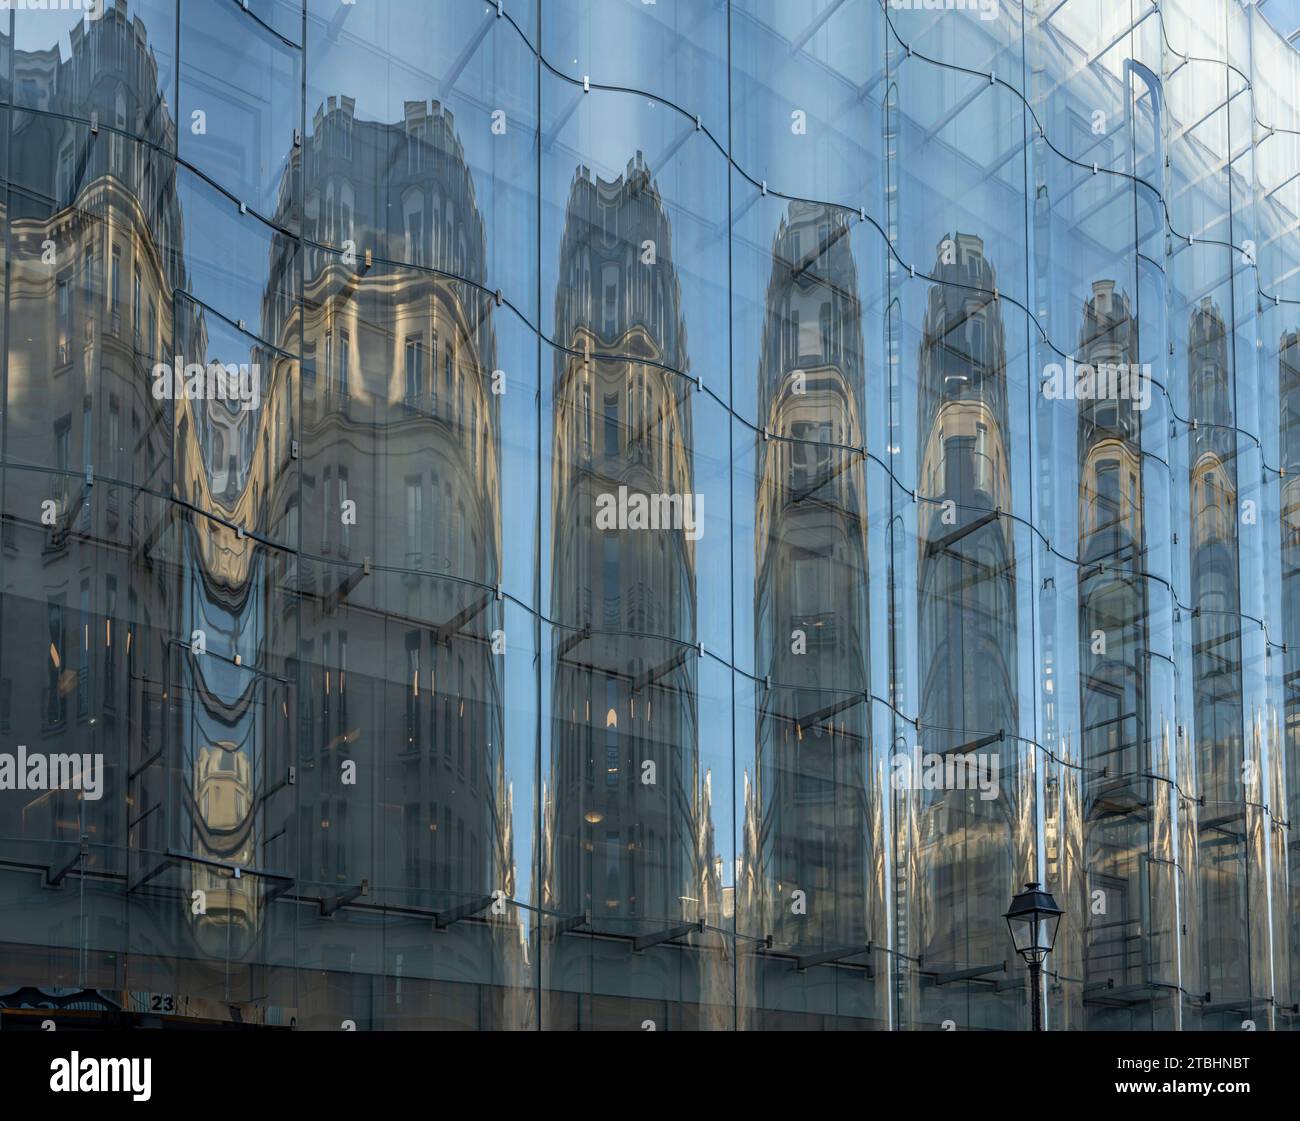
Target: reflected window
(412,690)
(415,231)
(345,529)
(416,130)
(113,465)
(345,340)
(414,519)
(88,278)
(64,172)
(84,666)
(611,425)
(135,310)
(433,374)
(110,643)
(65,318)
(611,732)
(55,702)
(610,579)
(414,371)
(609,302)
(115,289)
(1108,493)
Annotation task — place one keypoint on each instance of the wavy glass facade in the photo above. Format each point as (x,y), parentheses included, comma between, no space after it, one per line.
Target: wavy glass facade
(657,449)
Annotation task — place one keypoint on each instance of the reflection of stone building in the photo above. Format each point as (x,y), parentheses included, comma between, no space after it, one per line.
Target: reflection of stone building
(94,247)
(223,825)
(964,845)
(1216,660)
(401,539)
(806,806)
(1112,649)
(623,794)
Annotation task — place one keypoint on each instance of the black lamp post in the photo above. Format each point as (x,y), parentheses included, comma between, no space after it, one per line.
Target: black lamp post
(1032,920)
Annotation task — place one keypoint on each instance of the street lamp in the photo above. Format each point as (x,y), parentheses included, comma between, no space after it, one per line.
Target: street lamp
(1032,920)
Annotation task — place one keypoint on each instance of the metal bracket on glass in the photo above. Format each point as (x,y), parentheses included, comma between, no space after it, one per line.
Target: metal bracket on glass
(55,879)
(453,626)
(288,780)
(443,919)
(1131,994)
(948,976)
(345,589)
(643,942)
(975,745)
(156,871)
(949,540)
(329,906)
(570,922)
(572,641)
(804,962)
(651,675)
(826,712)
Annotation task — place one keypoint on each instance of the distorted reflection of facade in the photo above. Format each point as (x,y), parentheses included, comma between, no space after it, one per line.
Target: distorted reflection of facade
(966,845)
(1117,797)
(1222,824)
(625,805)
(94,230)
(401,493)
(807,809)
